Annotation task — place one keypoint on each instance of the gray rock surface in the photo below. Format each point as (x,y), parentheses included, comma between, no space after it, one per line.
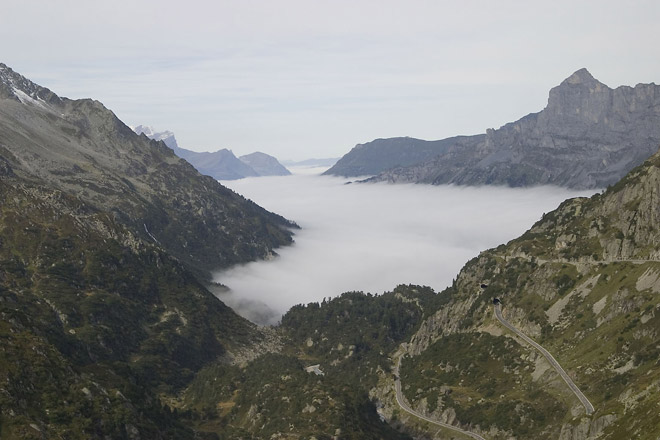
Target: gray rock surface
(588,136)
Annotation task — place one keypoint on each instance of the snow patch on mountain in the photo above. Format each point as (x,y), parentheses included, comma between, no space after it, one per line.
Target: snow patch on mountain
(165,136)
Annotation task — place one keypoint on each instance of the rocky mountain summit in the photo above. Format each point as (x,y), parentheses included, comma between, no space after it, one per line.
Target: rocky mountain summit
(221,164)
(588,136)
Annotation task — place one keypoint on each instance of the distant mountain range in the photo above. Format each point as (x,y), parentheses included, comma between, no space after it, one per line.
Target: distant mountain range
(327,162)
(588,136)
(221,164)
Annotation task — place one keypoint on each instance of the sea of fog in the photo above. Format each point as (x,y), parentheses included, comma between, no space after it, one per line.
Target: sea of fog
(373,237)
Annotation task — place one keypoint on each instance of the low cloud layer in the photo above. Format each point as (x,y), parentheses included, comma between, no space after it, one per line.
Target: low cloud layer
(372,237)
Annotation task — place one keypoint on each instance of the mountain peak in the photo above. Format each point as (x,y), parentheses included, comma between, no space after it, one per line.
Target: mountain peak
(165,136)
(264,164)
(147,130)
(581,76)
(15,86)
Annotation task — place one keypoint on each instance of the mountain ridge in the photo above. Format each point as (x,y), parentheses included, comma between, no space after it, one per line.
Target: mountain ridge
(221,164)
(264,164)
(588,136)
(83,149)
(580,283)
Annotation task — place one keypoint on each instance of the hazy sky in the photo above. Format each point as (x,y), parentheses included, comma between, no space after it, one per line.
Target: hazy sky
(309,78)
(373,237)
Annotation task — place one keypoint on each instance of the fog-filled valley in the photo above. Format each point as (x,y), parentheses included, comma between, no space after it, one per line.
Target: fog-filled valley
(344,220)
(373,237)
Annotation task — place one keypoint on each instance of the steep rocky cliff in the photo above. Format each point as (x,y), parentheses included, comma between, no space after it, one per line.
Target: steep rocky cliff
(588,136)
(583,283)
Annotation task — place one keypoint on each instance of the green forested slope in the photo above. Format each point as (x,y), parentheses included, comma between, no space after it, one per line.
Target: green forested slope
(350,338)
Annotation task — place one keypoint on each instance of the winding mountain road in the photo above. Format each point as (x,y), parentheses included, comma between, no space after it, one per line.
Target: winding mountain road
(404,406)
(589,408)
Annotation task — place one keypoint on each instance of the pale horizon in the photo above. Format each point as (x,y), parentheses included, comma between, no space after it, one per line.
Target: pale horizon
(301,79)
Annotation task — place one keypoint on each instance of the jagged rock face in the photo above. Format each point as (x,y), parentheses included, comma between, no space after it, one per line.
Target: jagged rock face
(588,136)
(620,224)
(16,87)
(264,164)
(83,149)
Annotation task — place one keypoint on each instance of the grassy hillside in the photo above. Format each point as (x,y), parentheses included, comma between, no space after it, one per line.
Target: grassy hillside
(94,322)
